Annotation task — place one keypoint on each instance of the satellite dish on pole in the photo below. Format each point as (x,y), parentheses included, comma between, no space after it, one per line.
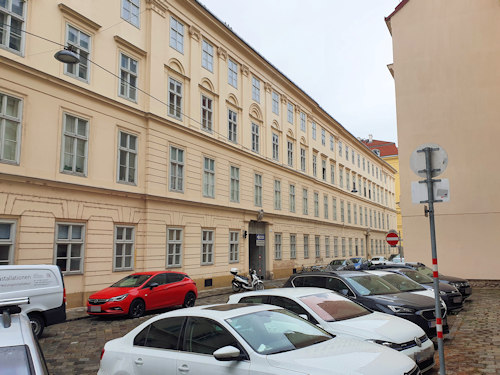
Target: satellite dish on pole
(439,160)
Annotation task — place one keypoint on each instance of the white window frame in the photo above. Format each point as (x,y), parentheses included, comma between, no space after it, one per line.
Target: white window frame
(127,86)
(276,147)
(208,177)
(74,138)
(317,246)
(207,113)
(303,121)
(303,161)
(316,204)
(306,246)
(293,246)
(290,153)
(17,119)
(129,153)
(315,165)
(176,35)
(325,206)
(174,98)
(291,200)
(334,208)
(176,175)
(131,11)
(122,243)
(277,194)
(8,30)
(69,242)
(256,89)
(173,257)
(255,137)
(289,112)
(75,70)
(232,126)
(207,246)
(335,247)
(332,143)
(277,246)
(258,190)
(9,242)
(275,103)
(234,184)
(232,73)
(332,173)
(323,136)
(327,247)
(313,126)
(234,246)
(207,56)
(305,208)
(323,169)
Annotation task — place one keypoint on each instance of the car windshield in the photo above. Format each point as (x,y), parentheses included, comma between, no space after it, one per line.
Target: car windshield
(277,331)
(403,283)
(337,262)
(425,271)
(418,277)
(356,260)
(131,281)
(370,285)
(16,360)
(331,309)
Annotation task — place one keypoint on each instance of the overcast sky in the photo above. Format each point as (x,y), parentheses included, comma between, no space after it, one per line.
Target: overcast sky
(336,51)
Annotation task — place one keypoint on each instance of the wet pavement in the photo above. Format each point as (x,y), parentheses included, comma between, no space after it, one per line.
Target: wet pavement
(472,346)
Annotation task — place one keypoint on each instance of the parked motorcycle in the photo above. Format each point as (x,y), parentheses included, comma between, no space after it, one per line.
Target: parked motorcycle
(241,282)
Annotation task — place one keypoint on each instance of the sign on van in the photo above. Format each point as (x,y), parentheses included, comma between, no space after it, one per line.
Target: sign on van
(12,280)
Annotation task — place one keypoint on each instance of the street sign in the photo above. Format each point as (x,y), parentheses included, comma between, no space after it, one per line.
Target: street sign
(392,238)
(260,240)
(441,189)
(439,160)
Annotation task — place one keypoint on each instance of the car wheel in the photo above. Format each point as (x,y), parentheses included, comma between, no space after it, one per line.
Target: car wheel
(137,308)
(37,323)
(236,287)
(189,300)
(259,286)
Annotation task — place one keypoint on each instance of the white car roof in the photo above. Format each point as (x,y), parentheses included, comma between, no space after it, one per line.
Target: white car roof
(13,335)
(286,292)
(380,273)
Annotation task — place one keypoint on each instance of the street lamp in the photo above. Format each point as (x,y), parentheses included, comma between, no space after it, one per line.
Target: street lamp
(67,55)
(354,188)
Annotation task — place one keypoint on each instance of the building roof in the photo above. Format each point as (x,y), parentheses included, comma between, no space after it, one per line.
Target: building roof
(386,148)
(397,9)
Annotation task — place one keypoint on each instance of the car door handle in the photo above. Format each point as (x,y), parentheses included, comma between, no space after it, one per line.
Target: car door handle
(139,362)
(183,368)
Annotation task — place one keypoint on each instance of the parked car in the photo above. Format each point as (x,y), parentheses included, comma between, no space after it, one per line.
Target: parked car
(376,294)
(379,260)
(341,316)
(20,352)
(358,262)
(396,258)
(340,264)
(450,295)
(142,291)
(43,284)
(244,339)
(462,285)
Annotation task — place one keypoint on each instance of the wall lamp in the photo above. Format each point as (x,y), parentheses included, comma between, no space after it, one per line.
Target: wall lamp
(354,188)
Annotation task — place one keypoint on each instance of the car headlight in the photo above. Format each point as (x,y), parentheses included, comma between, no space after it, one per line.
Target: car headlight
(401,309)
(119,298)
(442,292)
(389,344)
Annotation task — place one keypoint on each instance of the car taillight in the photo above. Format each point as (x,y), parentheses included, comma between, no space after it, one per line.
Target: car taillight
(102,353)
(64,295)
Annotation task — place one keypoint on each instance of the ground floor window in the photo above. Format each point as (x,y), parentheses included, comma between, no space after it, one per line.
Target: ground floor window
(7,234)
(124,248)
(174,247)
(70,243)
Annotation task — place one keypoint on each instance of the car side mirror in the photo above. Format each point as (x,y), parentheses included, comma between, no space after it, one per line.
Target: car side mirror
(153,285)
(227,353)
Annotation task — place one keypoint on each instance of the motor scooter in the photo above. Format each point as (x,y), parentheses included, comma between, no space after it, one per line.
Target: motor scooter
(241,282)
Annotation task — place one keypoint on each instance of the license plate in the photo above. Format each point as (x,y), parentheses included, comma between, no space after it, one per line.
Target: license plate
(457,299)
(95,308)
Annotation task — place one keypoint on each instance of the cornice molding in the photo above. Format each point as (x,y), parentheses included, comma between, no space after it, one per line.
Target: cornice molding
(222,53)
(80,17)
(195,33)
(126,44)
(158,6)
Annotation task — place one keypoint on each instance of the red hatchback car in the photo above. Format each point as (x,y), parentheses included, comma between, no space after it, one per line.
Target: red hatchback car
(142,291)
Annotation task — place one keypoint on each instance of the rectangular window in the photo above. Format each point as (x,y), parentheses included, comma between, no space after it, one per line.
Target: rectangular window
(176,169)
(255,137)
(289,112)
(12,24)
(305,209)
(276,103)
(131,11)
(350,247)
(332,173)
(232,73)
(207,247)
(277,246)
(75,145)
(124,248)
(348,180)
(174,247)
(323,137)
(176,35)
(69,247)
(334,203)
(340,148)
(208,177)
(80,43)
(276,147)
(316,204)
(349,212)
(371,222)
(383,221)
(303,159)
(302,121)
(356,247)
(315,165)
(363,163)
(207,56)
(306,246)
(342,216)
(341,177)
(346,152)
(343,247)
(313,124)
(325,206)
(256,89)
(10,128)
(206,113)
(174,98)
(277,194)
(293,246)
(127,158)
(258,190)
(327,246)
(7,242)
(366,216)
(292,198)
(362,245)
(355,214)
(360,215)
(352,156)
(235,184)
(317,248)
(359,161)
(335,247)
(332,144)
(234,247)
(232,126)
(323,169)
(128,77)
(290,153)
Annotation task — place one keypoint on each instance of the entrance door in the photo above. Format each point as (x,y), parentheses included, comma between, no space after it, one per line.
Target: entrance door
(256,255)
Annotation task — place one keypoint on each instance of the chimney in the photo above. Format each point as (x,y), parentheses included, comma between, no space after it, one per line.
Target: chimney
(370,138)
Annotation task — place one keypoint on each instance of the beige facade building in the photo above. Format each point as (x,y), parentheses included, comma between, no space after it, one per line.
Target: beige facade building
(447,74)
(172,144)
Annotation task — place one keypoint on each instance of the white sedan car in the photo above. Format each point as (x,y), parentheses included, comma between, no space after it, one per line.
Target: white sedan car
(341,316)
(244,339)
(379,260)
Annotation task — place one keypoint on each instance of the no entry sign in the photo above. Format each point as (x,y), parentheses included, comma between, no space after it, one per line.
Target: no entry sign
(392,238)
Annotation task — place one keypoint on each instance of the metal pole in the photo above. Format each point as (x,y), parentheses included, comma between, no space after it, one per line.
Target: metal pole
(439,325)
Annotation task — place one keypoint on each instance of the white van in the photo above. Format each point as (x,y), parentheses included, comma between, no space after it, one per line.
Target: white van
(44,286)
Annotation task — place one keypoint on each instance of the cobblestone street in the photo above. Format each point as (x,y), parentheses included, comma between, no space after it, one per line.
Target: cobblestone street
(472,347)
